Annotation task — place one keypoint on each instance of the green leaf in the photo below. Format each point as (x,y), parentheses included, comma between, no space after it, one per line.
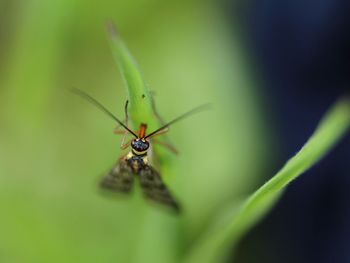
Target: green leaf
(141,107)
(230,227)
(140,100)
(141,110)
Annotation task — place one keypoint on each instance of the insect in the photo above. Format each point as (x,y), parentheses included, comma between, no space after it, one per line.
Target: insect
(136,163)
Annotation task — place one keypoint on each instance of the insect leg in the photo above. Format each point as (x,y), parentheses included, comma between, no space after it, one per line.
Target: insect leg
(117,130)
(164,131)
(155,109)
(125,145)
(169,146)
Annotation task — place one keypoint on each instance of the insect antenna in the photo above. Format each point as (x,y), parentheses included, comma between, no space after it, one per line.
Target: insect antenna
(186,114)
(101,107)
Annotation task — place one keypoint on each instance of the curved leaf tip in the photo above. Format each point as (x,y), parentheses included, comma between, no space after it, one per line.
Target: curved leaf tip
(223,234)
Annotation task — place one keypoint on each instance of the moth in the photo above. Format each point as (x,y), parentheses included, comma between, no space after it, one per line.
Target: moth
(136,163)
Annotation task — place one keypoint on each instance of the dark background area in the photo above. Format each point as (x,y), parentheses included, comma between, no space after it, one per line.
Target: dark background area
(303,52)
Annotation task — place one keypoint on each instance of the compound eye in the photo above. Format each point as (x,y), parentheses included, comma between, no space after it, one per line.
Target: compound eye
(139,145)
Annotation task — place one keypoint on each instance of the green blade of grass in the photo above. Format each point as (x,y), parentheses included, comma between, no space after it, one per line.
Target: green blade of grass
(224,234)
(154,246)
(140,101)
(140,109)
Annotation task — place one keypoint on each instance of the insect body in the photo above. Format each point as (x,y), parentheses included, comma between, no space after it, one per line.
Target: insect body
(136,163)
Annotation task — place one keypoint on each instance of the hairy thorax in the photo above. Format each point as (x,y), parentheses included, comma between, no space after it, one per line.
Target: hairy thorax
(136,162)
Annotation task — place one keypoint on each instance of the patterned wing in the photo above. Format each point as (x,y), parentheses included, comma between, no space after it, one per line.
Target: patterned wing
(119,179)
(154,188)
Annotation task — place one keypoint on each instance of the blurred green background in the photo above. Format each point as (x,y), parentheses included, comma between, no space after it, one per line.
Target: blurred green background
(54,147)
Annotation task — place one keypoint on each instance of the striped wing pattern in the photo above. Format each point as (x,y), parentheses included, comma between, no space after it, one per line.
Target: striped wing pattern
(119,179)
(154,188)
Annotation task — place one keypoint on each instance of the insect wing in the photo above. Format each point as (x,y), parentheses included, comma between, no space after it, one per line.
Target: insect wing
(119,179)
(154,188)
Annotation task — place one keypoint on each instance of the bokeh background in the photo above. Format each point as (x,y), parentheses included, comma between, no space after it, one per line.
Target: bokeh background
(270,68)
